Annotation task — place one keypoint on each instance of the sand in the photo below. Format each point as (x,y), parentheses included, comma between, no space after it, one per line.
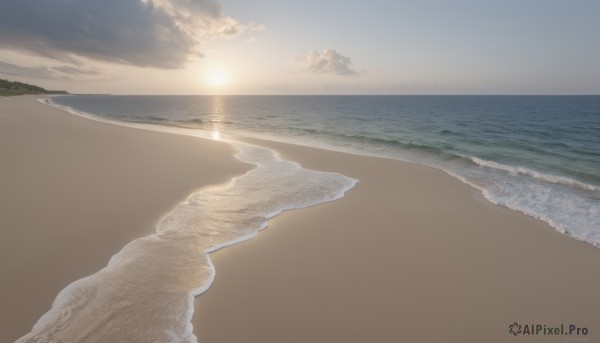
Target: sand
(409,255)
(73,192)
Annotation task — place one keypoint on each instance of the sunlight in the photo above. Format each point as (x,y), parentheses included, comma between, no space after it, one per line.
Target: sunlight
(215,135)
(218,77)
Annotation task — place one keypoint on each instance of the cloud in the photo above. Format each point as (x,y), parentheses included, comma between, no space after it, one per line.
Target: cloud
(65,72)
(146,33)
(15,70)
(329,61)
(73,70)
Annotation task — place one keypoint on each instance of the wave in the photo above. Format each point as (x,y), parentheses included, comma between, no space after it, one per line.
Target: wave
(375,141)
(195,121)
(515,170)
(567,219)
(569,214)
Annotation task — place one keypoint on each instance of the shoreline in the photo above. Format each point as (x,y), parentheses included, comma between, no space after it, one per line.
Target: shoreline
(184,233)
(485,193)
(352,166)
(272,142)
(76,191)
(497,181)
(411,253)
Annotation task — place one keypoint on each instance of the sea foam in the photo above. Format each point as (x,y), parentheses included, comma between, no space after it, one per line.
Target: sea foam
(516,170)
(146,292)
(570,206)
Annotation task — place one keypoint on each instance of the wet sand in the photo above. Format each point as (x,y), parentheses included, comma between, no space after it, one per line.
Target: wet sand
(73,192)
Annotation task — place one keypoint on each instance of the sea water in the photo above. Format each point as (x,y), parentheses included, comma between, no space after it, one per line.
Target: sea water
(539,155)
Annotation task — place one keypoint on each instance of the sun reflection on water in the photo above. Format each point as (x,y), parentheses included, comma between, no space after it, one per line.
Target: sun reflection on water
(217,117)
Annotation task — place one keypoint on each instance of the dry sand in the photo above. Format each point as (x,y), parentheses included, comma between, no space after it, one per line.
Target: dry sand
(410,254)
(73,192)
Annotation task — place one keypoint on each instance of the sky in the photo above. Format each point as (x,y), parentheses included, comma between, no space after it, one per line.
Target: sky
(303,47)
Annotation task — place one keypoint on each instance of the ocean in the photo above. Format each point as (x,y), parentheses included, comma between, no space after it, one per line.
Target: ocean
(536,154)
(539,155)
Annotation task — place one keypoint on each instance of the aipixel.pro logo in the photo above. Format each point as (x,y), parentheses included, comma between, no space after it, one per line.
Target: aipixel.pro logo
(516,329)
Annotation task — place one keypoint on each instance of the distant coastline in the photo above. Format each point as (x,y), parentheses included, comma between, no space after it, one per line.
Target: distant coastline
(12,88)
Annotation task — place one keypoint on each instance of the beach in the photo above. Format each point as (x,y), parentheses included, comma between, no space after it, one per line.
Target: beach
(73,192)
(409,254)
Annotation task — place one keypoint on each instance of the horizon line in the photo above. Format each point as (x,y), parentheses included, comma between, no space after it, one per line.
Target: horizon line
(450,94)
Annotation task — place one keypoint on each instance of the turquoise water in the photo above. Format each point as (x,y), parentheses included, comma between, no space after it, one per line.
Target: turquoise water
(536,154)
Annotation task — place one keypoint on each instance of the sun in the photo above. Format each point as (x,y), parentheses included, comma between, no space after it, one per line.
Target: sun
(218,79)
(217,76)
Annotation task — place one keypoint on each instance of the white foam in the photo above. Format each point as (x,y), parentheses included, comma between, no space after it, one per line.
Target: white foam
(516,170)
(572,212)
(569,215)
(147,290)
